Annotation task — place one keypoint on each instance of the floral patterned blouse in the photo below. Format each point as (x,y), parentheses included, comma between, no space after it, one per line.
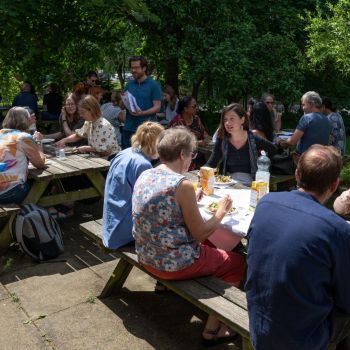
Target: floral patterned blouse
(15,147)
(196,127)
(162,239)
(100,135)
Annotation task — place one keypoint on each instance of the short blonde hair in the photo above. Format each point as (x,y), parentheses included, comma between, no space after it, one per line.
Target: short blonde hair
(90,103)
(174,140)
(145,138)
(17,118)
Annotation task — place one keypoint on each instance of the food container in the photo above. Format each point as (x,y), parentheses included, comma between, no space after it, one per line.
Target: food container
(207,179)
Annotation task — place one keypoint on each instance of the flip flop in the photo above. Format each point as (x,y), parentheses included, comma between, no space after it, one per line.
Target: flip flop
(160,288)
(217,340)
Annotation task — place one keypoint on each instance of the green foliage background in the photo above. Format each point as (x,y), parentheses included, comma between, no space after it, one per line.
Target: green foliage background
(217,51)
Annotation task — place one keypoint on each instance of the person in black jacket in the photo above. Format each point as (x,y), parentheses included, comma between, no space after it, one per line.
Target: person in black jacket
(236,147)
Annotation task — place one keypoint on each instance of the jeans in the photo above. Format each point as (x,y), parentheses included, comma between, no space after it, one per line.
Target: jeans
(126,138)
(15,194)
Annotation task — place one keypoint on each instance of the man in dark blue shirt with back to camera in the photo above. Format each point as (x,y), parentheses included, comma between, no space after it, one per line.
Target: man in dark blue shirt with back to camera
(298,285)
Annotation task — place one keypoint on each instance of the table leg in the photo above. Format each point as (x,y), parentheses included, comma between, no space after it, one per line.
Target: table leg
(117,279)
(36,191)
(246,344)
(98,181)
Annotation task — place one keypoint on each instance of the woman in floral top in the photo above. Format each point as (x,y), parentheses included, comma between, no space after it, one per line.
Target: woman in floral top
(17,146)
(97,130)
(187,117)
(170,234)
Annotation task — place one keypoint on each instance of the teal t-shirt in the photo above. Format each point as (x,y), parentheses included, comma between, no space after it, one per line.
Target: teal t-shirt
(145,93)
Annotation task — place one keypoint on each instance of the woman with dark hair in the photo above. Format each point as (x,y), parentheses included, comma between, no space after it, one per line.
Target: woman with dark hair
(236,147)
(261,121)
(69,120)
(170,102)
(186,116)
(338,134)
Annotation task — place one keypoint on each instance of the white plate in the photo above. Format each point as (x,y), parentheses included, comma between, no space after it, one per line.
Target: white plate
(210,212)
(47,140)
(232,182)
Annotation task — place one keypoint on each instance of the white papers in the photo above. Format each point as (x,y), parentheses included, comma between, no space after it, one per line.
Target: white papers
(130,102)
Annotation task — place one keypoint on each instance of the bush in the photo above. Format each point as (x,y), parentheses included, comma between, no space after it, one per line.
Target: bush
(210,120)
(290,120)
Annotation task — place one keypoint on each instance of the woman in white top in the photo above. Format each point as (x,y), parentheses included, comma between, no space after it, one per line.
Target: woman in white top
(98,131)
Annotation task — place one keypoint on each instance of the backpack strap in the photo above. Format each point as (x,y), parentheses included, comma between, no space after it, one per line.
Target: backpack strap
(18,234)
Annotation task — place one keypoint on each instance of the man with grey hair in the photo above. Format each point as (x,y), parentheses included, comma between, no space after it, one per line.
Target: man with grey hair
(313,127)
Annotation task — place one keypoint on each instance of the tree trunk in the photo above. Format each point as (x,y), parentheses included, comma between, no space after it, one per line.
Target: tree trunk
(172,73)
(195,88)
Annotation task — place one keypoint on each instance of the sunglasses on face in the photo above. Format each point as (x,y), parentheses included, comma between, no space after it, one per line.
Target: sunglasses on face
(270,102)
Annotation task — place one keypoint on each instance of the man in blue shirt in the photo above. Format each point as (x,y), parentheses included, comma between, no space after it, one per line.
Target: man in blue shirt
(298,290)
(148,96)
(313,127)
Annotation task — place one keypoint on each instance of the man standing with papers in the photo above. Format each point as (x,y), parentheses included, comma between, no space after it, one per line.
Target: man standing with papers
(145,92)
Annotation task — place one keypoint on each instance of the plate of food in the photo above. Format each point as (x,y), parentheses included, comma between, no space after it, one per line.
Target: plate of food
(223,180)
(47,140)
(213,207)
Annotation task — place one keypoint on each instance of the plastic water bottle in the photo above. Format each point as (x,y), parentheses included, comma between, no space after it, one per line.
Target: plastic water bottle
(263,173)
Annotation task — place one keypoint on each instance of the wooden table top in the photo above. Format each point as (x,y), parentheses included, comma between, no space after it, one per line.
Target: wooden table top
(73,164)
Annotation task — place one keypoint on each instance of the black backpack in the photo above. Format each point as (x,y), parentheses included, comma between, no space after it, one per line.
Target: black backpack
(37,233)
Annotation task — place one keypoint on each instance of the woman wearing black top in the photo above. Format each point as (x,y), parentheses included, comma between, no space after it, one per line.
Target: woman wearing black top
(236,147)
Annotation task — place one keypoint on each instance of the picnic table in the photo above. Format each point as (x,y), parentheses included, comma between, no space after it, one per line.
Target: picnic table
(57,169)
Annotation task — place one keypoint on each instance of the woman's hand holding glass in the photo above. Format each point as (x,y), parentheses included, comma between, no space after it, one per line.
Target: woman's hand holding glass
(38,136)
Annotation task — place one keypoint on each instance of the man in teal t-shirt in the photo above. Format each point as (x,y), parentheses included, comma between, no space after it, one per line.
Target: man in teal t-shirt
(148,96)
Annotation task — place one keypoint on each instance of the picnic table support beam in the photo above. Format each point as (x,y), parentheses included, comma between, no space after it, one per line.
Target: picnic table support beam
(246,344)
(117,279)
(36,191)
(98,181)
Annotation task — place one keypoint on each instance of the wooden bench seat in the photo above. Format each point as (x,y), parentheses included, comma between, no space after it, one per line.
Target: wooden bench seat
(210,294)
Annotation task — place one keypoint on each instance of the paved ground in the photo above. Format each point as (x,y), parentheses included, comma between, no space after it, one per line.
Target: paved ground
(55,305)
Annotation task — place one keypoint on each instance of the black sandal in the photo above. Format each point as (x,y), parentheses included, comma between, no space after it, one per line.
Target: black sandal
(217,340)
(160,288)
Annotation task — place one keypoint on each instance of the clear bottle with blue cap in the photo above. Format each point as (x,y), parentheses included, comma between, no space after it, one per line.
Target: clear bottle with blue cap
(263,173)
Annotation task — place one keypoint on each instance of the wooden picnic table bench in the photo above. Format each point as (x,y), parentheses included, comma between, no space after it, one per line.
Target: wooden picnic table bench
(212,295)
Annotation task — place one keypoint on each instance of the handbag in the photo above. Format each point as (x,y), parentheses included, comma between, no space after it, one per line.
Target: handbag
(282,164)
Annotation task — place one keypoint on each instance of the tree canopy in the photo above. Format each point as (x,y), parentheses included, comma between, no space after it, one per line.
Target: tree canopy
(217,53)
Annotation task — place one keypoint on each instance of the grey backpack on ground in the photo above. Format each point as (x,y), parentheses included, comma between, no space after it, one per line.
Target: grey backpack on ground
(37,233)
